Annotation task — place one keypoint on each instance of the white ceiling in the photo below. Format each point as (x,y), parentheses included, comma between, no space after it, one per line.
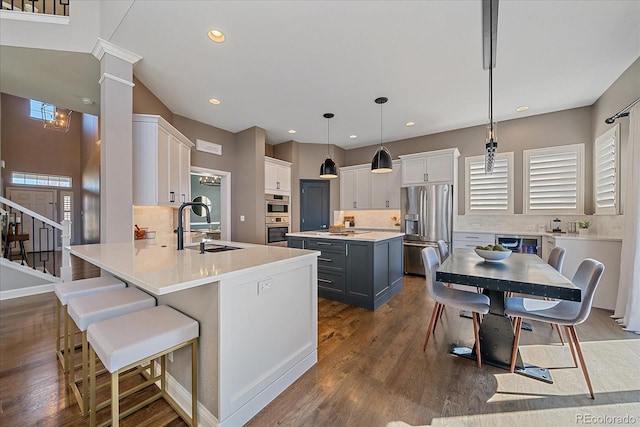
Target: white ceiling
(285,63)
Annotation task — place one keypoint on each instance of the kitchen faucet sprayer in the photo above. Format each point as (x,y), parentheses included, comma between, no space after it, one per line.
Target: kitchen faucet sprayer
(180,230)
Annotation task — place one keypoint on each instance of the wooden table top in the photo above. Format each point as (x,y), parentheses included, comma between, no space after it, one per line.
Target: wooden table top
(522,273)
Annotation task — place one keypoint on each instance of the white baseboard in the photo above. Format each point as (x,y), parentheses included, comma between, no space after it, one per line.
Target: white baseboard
(182,396)
(262,399)
(25,292)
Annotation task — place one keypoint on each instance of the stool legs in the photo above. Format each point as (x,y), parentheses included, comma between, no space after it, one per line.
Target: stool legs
(115,388)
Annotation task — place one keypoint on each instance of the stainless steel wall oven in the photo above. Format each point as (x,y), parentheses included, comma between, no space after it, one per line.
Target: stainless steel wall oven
(276,219)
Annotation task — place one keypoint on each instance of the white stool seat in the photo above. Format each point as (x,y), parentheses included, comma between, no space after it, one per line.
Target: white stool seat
(124,340)
(95,308)
(77,288)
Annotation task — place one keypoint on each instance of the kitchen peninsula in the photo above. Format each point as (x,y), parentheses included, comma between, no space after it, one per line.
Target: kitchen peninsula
(358,268)
(257,309)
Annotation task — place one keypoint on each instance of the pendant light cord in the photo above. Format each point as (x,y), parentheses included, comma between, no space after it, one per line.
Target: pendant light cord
(491,69)
(327,137)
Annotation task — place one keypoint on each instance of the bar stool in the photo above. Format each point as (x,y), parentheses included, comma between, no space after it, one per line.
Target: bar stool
(150,334)
(94,308)
(65,291)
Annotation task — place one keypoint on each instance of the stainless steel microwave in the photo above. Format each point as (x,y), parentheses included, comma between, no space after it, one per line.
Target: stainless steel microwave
(277,205)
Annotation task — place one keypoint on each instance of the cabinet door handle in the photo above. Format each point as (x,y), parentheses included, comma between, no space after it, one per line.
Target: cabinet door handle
(471,237)
(184,197)
(278,185)
(323,244)
(325,259)
(325,281)
(354,204)
(346,250)
(172,196)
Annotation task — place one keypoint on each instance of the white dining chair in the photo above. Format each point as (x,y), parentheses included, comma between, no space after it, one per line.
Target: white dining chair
(475,303)
(556,260)
(566,313)
(443,250)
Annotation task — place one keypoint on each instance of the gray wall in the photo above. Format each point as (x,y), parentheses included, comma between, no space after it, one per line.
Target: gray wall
(621,93)
(545,130)
(306,160)
(247,187)
(28,147)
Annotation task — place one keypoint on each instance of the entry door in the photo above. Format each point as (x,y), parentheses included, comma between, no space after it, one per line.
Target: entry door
(314,204)
(42,202)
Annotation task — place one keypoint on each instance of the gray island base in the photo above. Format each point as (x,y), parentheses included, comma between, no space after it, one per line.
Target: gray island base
(361,269)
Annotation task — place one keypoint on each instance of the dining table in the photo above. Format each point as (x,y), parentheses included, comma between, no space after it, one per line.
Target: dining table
(518,273)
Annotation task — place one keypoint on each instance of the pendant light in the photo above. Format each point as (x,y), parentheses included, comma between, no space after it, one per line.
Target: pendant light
(490,34)
(381,162)
(328,167)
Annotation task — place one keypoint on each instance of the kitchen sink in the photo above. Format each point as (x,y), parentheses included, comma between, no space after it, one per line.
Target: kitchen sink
(213,248)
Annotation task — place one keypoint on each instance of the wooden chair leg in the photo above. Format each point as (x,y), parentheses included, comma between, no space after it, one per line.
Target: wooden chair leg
(92,387)
(559,333)
(438,316)
(574,335)
(115,400)
(476,333)
(434,314)
(571,346)
(516,342)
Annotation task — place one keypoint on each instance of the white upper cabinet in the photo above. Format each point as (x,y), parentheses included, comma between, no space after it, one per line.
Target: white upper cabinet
(277,176)
(385,188)
(355,187)
(161,163)
(434,167)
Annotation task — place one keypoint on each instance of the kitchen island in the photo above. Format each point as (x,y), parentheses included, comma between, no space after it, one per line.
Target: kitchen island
(359,268)
(257,310)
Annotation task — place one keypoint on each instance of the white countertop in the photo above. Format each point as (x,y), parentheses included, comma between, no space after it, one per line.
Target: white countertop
(157,267)
(367,236)
(543,234)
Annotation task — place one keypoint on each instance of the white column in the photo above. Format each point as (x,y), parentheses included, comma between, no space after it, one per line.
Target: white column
(116,150)
(65,268)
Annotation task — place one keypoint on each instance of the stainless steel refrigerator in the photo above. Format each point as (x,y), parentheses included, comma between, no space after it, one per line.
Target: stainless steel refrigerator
(427,216)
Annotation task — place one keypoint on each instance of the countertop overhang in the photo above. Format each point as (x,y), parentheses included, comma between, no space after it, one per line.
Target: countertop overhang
(157,267)
(367,236)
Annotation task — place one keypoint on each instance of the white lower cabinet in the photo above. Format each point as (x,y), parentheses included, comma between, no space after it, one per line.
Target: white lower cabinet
(467,240)
(607,252)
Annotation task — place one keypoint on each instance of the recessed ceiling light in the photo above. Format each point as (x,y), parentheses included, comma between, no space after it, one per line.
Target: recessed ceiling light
(409,124)
(87,101)
(214,101)
(353,136)
(292,131)
(521,109)
(216,35)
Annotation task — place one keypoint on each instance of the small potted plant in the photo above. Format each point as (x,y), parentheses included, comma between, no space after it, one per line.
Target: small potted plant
(583,227)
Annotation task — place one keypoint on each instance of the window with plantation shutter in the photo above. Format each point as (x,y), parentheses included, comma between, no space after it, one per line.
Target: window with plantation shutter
(605,158)
(489,193)
(553,180)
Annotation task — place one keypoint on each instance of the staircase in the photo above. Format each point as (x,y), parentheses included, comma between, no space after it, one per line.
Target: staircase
(33,255)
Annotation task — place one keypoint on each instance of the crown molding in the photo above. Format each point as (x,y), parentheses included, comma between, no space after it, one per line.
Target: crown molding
(102,46)
(115,78)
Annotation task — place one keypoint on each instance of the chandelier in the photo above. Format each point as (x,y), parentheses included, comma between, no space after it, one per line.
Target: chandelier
(210,180)
(56,118)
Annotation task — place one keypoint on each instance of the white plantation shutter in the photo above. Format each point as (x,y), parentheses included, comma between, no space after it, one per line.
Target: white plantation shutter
(489,193)
(553,179)
(605,173)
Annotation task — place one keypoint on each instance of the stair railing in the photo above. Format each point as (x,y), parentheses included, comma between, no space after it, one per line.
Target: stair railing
(46,7)
(22,228)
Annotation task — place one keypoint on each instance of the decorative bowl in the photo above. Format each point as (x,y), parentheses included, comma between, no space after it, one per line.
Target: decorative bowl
(492,256)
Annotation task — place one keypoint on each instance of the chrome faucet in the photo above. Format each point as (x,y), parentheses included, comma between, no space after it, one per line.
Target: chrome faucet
(180,231)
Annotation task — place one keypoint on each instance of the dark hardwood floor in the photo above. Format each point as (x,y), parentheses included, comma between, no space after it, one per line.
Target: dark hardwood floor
(371,372)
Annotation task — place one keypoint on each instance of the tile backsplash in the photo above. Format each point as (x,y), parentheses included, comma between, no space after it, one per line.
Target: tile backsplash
(155,218)
(369,218)
(602,225)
